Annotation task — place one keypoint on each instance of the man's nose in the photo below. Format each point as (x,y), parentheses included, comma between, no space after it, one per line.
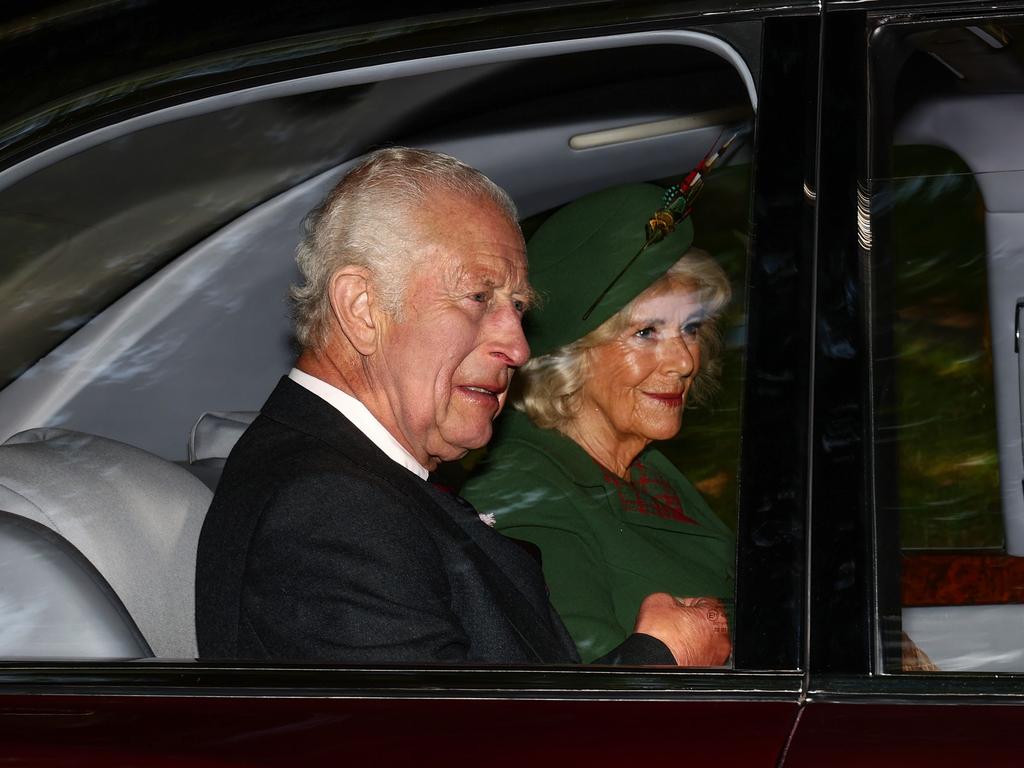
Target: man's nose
(510,342)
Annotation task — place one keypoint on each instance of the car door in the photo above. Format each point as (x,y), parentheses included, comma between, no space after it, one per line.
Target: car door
(152,211)
(914,613)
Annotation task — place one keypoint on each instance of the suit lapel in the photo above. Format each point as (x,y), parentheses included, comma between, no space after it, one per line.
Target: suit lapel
(512,574)
(509,571)
(295,406)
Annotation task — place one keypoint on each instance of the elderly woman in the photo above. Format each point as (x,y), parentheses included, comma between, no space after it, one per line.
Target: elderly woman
(572,470)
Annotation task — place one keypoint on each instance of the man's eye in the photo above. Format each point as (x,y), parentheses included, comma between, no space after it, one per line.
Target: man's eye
(645,333)
(480,296)
(520,305)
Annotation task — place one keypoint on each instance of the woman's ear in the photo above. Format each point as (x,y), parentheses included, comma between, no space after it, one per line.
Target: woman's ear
(351,295)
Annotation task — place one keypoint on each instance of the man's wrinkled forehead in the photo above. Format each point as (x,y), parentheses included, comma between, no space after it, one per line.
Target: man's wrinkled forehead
(464,239)
(487,270)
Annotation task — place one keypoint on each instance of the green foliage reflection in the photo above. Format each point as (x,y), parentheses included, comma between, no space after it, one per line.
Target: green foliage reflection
(940,412)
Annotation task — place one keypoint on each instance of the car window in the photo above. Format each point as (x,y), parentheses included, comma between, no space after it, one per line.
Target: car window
(945,233)
(178,190)
(150,270)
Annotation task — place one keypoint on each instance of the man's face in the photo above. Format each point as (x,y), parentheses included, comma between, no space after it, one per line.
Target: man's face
(446,363)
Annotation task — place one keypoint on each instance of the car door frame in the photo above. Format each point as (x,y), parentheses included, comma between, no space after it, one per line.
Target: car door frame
(855,710)
(83,703)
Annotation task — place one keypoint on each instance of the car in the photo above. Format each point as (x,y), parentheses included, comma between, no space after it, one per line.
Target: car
(156,160)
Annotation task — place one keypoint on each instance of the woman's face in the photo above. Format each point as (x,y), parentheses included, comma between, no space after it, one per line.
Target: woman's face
(637,384)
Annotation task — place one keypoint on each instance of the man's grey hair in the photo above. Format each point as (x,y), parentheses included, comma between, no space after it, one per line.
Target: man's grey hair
(369,220)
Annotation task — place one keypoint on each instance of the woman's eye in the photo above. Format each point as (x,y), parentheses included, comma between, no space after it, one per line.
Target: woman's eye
(520,306)
(645,333)
(480,297)
(692,329)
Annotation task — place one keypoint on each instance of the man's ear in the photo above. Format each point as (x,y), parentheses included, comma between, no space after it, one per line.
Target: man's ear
(352,297)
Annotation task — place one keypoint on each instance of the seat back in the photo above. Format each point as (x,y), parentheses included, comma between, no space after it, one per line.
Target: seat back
(54,603)
(133,516)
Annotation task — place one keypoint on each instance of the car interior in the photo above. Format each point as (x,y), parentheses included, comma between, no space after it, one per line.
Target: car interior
(947,222)
(150,259)
(147,304)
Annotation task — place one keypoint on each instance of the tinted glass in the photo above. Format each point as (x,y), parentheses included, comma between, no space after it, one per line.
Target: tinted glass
(946,236)
(128,213)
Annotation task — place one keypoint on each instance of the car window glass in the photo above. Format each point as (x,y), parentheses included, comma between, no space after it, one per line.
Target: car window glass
(141,200)
(946,231)
(149,273)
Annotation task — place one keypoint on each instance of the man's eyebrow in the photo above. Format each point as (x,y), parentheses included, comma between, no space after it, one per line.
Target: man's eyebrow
(524,292)
(527,295)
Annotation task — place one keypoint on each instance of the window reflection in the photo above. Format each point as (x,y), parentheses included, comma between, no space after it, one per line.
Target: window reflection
(948,236)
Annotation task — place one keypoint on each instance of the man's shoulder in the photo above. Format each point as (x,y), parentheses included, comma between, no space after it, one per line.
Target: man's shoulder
(268,443)
(274,462)
(285,495)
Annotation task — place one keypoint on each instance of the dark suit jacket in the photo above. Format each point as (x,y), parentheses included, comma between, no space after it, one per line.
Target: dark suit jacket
(317,546)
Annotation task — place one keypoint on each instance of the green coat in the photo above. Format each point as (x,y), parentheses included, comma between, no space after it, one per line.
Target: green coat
(599,559)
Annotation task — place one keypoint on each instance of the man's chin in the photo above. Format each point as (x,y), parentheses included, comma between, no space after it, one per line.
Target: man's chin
(458,446)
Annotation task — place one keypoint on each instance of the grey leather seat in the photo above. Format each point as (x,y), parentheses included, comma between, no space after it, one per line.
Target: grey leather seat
(54,603)
(210,441)
(133,517)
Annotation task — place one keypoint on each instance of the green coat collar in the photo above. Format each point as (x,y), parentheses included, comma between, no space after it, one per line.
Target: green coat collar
(564,453)
(567,455)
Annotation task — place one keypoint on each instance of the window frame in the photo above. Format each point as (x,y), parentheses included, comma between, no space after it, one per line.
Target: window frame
(782,676)
(851,660)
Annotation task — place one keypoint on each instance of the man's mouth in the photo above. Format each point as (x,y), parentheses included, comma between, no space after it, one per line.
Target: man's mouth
(483,395)
(483,390)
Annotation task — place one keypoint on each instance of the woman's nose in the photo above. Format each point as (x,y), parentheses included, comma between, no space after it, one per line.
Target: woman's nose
(680,358)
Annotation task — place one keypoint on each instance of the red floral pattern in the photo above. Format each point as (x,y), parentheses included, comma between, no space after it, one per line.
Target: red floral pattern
(648,493)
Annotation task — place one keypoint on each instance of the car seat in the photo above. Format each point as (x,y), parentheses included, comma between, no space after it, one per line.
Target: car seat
(54,603)
(210,441)
(125,527)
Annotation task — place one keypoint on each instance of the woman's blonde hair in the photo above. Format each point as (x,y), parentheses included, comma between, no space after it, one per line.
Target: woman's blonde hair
(547,388)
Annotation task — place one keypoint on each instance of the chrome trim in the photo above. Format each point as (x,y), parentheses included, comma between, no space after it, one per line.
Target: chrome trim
(657,128)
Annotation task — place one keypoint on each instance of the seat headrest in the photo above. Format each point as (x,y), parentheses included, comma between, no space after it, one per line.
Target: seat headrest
(215,433)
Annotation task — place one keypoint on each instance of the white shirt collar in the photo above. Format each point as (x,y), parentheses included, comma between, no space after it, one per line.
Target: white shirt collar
(360,415)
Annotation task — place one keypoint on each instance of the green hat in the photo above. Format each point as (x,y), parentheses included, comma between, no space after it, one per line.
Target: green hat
(576,254)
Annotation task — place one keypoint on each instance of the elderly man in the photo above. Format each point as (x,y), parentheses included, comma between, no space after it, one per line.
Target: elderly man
(325,540)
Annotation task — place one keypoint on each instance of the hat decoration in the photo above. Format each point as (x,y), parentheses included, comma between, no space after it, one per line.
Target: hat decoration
(582,251)
(676,206)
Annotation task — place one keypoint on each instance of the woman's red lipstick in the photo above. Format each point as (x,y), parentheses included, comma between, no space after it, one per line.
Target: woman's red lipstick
(673,399)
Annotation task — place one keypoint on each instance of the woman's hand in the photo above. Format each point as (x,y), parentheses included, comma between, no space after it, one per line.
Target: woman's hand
(694,628)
